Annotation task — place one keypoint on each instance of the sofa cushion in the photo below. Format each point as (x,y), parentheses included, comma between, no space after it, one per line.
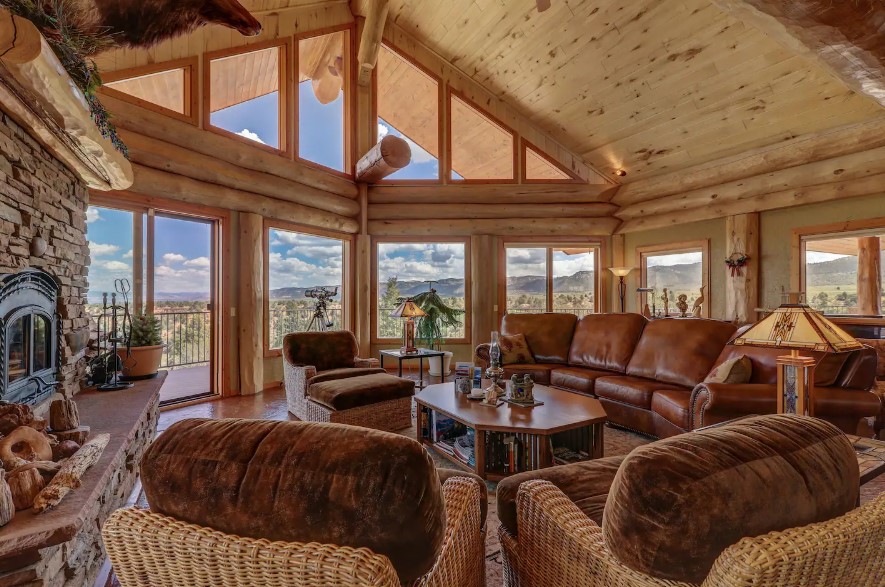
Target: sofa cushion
(676,504)
(539,372)
(735,370)
(302,482)
(353,392)
(585,483)
(549,335)
(674,405)
(514,349)
(606,341)
(576,378)
(323,350)
(764,361)
(343,373)
(635,391)
(679,351)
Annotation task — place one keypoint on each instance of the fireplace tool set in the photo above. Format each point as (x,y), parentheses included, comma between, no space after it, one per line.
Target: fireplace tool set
(116,320)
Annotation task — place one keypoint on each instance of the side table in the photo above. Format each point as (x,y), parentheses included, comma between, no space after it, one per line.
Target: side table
(420,355)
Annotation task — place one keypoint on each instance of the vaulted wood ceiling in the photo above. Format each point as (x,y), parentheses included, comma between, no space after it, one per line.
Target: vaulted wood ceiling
(649,86)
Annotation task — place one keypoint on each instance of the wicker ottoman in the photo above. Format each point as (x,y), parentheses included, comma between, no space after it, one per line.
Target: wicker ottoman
(378,400)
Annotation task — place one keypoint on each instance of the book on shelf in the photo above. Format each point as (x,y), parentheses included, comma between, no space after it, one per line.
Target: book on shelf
(465,448)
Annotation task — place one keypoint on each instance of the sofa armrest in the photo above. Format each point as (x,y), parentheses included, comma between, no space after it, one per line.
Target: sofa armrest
(712,403)
(481,356)
(366,363)
(461,559)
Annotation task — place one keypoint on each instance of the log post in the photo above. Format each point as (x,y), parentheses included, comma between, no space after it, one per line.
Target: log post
(869,276)
(370,40)
(251,312)
(742,288)
(482,294)
(390,154)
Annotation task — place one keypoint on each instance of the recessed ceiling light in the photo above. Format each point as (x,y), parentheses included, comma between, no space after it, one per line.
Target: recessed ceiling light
(620,172)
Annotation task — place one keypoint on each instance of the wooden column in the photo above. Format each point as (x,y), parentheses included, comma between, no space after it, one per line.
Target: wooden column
(362,279)
(742,291)
(483,296)
(869,276)
(251,300)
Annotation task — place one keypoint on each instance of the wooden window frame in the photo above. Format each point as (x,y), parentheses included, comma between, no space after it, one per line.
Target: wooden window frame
(347,293)
(524,146)
(191,87)
(285,91)
(702,245)
(441,93)
(468,309)
(601,280)
(797,258)
(350,114)
(453,93)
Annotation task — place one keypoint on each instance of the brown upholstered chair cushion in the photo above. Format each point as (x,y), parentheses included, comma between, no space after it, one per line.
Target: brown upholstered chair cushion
(302,482)
(323,350)
(446,474)
(586,483)
(344,373)
(676,504)
(606,341)
(515,349)
(549,335)
(353,392)
(577,378)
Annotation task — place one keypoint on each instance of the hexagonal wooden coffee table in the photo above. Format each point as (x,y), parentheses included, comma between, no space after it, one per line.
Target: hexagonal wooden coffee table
(510,439)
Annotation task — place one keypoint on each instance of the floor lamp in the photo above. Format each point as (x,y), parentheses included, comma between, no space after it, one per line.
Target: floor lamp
(797,327)
(621,273)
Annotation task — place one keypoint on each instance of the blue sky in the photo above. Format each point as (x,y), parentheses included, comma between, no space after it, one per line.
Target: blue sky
(522,262)
(303,260)
(420,261)
(423,165)
(182,253)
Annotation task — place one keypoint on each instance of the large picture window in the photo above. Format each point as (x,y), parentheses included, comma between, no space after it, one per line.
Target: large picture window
(544,277)
(305,284)
(677,269)
(405,269)
(323,80)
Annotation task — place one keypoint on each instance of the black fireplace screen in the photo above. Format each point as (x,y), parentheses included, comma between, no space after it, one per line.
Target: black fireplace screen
(28,336)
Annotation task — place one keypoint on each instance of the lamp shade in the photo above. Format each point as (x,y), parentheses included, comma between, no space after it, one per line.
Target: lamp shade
(408,309)
(621,271)
(798,326)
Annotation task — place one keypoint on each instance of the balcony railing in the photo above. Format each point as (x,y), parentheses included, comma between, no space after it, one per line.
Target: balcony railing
(187,336)
(579,312)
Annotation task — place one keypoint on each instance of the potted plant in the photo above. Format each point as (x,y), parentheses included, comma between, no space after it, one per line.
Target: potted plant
(429,328)
(145,348)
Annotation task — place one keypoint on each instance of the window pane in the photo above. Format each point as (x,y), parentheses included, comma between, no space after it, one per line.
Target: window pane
(539,168)
(408,107)
(322,81)
(574,280)
(481,149)
(526,280)
(42,340)
(110,236)
(167,89)
(245,95)
(831,274)
(19,347)
(298,264)
(406,270)
(679,273)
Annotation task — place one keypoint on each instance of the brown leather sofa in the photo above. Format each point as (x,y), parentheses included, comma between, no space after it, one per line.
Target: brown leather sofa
(649,374)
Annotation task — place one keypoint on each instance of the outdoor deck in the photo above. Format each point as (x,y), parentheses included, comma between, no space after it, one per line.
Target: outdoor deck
(185,382)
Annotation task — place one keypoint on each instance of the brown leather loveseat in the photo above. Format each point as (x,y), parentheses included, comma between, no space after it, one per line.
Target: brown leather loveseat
(649,374)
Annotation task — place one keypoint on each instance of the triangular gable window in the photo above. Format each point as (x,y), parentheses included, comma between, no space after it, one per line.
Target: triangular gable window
(164,88)
(481,148)
(538,167)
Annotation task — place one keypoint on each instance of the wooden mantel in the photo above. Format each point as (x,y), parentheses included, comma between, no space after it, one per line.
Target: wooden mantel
(39,95)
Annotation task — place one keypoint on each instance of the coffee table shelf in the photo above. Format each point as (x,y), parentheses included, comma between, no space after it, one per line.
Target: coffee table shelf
(566,420)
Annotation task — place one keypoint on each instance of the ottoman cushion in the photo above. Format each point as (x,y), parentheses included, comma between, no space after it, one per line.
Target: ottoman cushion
(343,373)
(302,482)
(365,390)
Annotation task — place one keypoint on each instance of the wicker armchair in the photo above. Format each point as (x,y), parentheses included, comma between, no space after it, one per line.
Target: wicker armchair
(559,545)
(152,550)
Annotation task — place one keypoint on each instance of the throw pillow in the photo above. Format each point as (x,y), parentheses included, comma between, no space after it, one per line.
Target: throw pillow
(736,370)
(515,349)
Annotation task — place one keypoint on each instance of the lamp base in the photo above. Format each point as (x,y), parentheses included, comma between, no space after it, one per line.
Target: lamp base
(795,384)
(409,350)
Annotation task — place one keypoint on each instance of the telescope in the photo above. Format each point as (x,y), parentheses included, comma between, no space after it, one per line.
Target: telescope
(321,293)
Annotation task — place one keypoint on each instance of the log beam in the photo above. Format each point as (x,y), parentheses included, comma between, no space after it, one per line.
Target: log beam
(492,194)
(801,150)
(869,276)
(843,36)
(375,12)
(389,155)
(419,210)
(742,287)
(250,315)
(498,226)
(167,157)
(151,182)
(158,126)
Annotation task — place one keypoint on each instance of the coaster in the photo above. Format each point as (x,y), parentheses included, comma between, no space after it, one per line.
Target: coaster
(499,403)
(523,404)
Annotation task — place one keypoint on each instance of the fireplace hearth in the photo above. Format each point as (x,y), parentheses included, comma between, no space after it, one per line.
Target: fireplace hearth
(29,336)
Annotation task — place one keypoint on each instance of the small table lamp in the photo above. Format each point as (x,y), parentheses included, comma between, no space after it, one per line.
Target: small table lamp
(797,327)
(621,273)
(408,310)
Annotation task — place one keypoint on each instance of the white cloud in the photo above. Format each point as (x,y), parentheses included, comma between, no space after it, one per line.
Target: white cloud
(250,135)
(295,272)
(815,257)
(99,249)
(174,258)
(115,266)
(419,155)
(92,215)
(127,254)
(383,130)
(673,259)
(198,262)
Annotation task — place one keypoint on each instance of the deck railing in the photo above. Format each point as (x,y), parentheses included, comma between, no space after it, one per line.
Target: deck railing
(187,336)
